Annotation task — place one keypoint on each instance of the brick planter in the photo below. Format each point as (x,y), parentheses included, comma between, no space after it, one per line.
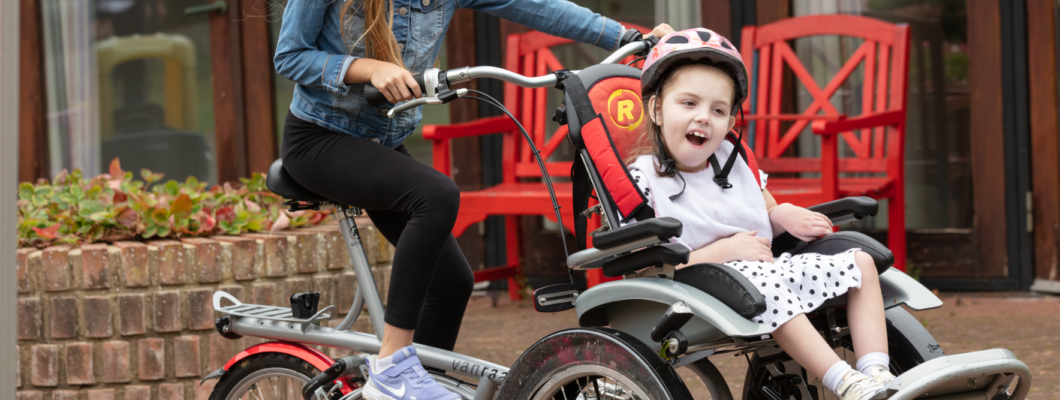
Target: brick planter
(134,320)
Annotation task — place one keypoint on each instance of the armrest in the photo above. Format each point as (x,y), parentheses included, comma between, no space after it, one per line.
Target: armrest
(666,253)
(840,211)
(866,121)
(663,228)
(478,127)
(847,209)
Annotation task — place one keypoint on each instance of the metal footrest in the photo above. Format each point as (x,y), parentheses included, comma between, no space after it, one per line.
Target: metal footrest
(987,374)
(273,313)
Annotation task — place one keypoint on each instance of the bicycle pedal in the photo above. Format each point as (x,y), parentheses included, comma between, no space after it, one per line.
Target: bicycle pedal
(555,298)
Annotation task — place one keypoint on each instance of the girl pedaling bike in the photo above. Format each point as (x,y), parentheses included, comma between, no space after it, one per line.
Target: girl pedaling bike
(332,49)
(688,166)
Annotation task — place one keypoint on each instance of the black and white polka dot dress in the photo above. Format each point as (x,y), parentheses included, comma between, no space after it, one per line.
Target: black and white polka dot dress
(792,284)
(800,283)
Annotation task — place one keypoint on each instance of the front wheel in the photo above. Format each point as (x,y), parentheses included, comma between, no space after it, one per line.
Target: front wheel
(591,364)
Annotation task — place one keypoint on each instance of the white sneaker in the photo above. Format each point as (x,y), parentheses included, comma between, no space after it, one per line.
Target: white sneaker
(883,376)
(857,386)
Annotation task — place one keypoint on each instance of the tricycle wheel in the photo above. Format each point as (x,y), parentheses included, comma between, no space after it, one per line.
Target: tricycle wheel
(265,375)
(591,364)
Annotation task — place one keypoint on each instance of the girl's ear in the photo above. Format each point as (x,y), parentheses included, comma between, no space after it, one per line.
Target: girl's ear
(654,115)
(732,122)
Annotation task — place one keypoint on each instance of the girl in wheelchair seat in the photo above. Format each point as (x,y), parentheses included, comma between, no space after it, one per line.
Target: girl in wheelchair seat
(692,84)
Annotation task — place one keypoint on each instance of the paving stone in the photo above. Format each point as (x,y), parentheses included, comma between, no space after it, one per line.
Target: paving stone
(171,261)
(167,312)
(207,264)
(245,264)
(137,392)
(29,319)
(94,266)
(186,356)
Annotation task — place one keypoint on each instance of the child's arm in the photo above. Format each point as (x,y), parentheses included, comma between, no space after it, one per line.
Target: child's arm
(743,246)
(804,224)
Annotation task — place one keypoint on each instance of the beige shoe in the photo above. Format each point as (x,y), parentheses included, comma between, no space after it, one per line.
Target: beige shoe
(857,386)
(883,376)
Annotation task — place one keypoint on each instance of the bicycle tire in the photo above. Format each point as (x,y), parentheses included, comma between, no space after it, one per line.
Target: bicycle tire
(261,366)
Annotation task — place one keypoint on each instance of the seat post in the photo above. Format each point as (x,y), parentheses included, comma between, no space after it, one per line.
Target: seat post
(365,279)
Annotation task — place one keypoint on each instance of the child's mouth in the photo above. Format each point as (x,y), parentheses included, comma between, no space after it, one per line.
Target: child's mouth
(696,138)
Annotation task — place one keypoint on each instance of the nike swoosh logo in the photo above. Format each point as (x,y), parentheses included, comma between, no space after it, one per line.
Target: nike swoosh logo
(399,392)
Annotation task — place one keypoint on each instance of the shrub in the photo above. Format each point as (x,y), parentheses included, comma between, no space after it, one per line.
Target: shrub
(110,207)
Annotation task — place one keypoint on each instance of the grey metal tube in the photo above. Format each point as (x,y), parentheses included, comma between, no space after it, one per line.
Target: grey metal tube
(468,73)
(365,278)
(355,312)
(365,343)
(625,51)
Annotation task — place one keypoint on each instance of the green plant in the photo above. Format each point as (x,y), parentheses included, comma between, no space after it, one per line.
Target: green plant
(73,209)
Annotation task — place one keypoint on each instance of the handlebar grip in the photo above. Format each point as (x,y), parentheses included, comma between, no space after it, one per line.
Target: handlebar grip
(376,98)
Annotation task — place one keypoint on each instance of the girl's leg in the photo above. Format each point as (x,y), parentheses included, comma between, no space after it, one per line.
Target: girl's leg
(868,325)
(803,343)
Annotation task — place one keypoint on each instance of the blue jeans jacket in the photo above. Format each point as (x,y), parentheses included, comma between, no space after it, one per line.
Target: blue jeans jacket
(311,52)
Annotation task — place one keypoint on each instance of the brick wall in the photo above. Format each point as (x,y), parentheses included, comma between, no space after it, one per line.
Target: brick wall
(134,320)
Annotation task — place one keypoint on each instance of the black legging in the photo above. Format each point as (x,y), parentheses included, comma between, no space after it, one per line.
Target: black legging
(413,205)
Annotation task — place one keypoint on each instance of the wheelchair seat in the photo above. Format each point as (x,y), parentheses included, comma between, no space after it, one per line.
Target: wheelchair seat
(281,183)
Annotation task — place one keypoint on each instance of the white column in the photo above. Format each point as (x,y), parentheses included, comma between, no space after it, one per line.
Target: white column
(8,191)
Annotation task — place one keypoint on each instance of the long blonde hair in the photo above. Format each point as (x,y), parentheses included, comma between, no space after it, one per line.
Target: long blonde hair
(380,42)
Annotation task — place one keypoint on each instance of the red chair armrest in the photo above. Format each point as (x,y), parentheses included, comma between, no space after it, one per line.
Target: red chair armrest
(478,127)
(888,118)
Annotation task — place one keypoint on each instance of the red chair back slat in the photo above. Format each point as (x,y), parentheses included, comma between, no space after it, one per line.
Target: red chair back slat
(881,55)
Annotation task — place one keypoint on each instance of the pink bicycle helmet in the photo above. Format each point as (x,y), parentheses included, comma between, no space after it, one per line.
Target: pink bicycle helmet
(694,44)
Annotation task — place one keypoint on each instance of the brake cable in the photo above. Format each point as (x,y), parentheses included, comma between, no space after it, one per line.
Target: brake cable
(485,98)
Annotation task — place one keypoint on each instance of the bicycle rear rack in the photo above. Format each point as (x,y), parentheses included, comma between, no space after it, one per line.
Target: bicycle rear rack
(273,313)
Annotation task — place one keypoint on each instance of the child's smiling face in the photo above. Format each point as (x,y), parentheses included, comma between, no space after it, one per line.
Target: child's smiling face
(694,114)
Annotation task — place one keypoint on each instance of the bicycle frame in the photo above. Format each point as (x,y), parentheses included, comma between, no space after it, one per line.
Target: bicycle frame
(489,374)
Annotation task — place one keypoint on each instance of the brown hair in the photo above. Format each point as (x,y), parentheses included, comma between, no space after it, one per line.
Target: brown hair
(378,32)
(650,140)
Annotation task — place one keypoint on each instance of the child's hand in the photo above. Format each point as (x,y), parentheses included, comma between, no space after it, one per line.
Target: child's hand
(804,224)
(745,246)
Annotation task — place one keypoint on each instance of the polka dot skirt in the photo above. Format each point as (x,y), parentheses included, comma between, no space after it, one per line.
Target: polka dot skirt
(799,284)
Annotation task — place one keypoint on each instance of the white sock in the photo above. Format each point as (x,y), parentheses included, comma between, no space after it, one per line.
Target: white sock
(381,364)
(834,377)
(873,359)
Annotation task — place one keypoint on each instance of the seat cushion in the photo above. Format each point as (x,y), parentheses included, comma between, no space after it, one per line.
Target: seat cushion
(725,284)
(281,183)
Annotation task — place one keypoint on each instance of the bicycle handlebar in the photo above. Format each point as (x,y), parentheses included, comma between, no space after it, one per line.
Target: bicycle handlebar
(376,98)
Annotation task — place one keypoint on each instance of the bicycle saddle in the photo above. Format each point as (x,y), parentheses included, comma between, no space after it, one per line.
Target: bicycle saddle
(281,183)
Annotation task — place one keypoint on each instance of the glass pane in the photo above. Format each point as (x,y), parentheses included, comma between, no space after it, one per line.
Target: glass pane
(129,79)
(938,179)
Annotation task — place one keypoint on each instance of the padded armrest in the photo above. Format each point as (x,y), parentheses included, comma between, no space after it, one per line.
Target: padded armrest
(847,209)
(663,228)
(666,253)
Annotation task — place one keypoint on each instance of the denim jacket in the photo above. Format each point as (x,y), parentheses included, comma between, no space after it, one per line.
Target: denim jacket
(311,52)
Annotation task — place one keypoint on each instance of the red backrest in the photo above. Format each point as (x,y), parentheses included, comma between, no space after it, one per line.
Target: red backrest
(531,54)
(884,57)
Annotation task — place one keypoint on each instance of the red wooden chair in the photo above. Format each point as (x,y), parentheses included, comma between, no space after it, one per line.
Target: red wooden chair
(521,191)
(876,137)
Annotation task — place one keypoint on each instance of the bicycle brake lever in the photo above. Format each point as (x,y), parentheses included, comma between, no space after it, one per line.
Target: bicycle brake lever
(442,98)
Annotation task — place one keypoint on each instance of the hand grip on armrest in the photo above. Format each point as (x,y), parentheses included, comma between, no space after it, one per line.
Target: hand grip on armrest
(847,209)
(664,228)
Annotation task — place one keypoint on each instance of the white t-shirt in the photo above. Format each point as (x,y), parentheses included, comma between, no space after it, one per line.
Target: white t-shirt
(706,211)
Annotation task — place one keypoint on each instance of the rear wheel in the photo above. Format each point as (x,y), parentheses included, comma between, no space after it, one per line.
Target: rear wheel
(265,376)
(591,364)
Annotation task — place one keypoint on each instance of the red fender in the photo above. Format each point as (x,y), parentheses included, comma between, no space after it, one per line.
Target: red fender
(308,354)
